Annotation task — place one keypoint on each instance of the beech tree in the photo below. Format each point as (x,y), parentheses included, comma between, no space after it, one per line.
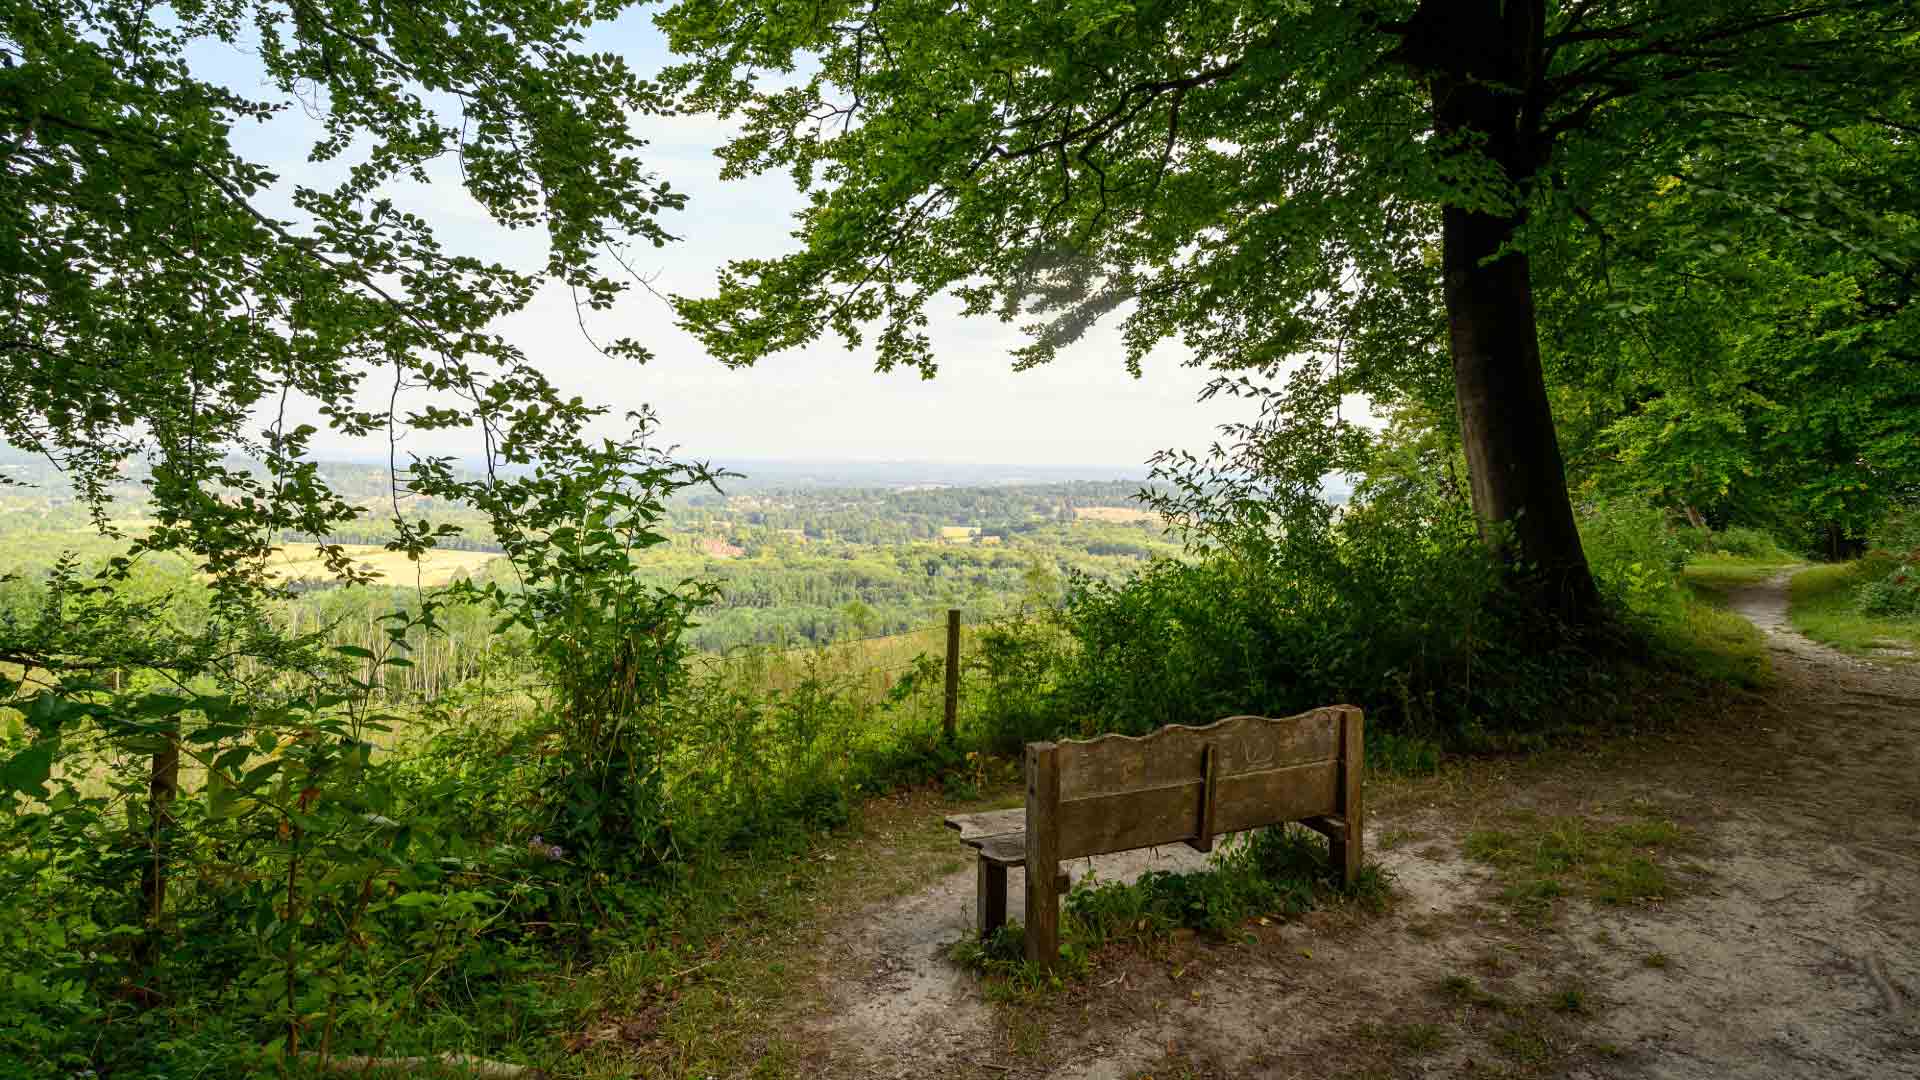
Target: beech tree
(1258,179)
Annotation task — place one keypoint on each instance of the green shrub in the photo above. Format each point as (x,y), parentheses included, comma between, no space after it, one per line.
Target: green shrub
(1889,574)
(1635,555)
(1889,585)
(1750,543)
(1899,531)
(1740,541)
(1394,605)
(1014,666)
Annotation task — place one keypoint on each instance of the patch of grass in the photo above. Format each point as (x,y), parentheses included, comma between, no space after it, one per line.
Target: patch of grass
(1525,1044)
(1571,1000)
(1002,958)
(778,1061)
(1656,960)
(1532,898)
(1399,1040)
(1026,1034)
(1539,861)
(1419,1038)
(1389,839)
(1390,753)
(1715,643)
(1823,607)
(720,970)
(1713,576)
(1465,990)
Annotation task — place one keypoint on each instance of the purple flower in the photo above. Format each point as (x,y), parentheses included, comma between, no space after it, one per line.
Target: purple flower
(540,848)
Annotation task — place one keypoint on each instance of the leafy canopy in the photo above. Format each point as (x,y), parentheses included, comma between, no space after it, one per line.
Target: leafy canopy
(1755,366)
(1256,179)
(160,301)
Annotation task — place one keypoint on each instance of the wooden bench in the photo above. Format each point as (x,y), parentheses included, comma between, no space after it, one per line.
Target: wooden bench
(1178,785)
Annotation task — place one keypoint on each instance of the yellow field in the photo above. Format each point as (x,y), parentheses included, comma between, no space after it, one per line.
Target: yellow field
(1114,515)
(301,562)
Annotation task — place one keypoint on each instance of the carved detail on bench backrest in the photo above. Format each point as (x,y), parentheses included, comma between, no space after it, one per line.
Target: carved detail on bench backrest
(1111,764)
(1121,792)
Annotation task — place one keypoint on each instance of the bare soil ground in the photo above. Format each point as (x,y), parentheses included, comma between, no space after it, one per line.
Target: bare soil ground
(1789,945)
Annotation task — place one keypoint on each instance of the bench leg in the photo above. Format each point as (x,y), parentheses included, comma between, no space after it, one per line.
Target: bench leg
(990,897)
(1043,855)
(1043,913)
(1344,853)
(1343,846)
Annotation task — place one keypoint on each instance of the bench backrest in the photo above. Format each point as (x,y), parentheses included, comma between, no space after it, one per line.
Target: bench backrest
(1117,793)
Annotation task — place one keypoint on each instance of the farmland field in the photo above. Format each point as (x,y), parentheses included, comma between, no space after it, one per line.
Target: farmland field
(1115,515)
(302,562)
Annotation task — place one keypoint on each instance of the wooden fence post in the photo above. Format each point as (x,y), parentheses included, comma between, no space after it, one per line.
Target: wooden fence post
(948,722)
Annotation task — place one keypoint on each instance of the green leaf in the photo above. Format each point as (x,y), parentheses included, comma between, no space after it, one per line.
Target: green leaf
(28,770)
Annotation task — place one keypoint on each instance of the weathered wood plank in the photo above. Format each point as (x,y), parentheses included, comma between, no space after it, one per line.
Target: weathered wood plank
(988,823)
(1333,828)
(1097,824)
(1043,854)
(1244,744)
(1007,849)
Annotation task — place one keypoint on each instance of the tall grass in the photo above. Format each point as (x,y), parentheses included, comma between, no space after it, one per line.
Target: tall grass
(1825,606)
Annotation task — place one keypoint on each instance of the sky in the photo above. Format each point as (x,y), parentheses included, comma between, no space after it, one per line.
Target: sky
(820,403)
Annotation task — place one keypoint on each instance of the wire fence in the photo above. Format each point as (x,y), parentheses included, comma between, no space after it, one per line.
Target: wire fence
(1024,614)
(904,677)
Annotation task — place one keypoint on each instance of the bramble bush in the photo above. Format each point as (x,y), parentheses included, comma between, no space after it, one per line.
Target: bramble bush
(1890,571)
(1890,585)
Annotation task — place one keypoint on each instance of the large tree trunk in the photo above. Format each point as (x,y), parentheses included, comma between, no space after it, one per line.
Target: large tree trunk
(1513,458)
(1480,56)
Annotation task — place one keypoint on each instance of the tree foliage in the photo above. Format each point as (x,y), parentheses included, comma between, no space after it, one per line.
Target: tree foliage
(1754,366)
(1264,180)
(166,295)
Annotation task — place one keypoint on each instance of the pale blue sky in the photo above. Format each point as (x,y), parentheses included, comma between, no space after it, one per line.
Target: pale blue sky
(813,404)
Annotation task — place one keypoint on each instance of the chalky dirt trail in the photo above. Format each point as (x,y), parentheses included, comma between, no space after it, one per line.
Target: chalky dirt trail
(1792,949)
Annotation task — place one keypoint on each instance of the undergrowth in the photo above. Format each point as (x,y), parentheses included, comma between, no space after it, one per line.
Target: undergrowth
(1270,874)
(1840,604)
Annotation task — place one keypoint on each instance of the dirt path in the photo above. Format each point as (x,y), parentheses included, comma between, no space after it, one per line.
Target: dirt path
(1791,949)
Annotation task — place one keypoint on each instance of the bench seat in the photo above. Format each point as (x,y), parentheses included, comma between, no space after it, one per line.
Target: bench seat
(1000,838)
(1000,835)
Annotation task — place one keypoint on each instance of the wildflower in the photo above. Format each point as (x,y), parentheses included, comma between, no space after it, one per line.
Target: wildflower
(539,847)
